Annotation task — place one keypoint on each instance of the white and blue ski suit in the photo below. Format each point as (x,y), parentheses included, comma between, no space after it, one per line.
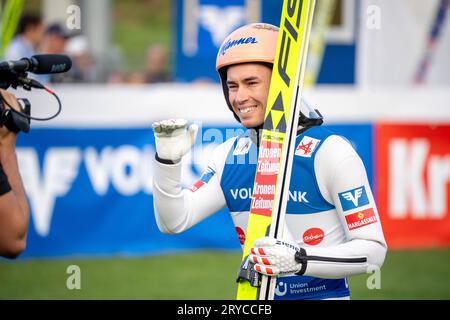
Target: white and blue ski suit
(331,211)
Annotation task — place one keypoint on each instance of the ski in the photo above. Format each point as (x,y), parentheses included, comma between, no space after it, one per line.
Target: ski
(432,42)
(278,136)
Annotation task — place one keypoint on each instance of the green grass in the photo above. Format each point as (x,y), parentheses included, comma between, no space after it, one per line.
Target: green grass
(204,275)
(409,275)
(194,276)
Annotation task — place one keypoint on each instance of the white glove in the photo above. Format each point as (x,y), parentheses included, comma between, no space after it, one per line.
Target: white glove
(274,257)
(173,138)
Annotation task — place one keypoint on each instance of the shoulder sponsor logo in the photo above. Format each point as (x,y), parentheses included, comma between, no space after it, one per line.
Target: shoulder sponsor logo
(306,147)
(242,147)
(313,236)
(354,198)
(360,219)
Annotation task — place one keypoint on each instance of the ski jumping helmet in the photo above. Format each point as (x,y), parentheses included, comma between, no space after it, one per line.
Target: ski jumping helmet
(256,42)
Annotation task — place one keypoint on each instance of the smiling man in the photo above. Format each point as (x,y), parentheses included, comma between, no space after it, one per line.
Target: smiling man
(332,227)
(248,85)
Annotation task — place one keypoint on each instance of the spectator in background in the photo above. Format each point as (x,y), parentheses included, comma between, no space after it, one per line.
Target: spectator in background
(83,68)
(27,40)
(55,39)
(156,63)
(28,37)
(137,78)
(117,77)
(54,42)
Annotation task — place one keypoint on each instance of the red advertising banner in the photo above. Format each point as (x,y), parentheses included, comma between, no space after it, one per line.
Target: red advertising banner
(412,184)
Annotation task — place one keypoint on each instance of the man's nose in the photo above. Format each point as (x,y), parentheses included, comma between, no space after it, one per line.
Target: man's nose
(242,95)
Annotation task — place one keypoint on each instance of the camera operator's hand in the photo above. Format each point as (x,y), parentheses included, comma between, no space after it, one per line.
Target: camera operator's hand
(6,136)
(14,210)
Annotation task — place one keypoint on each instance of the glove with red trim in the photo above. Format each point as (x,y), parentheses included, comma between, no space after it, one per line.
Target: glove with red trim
(274,257)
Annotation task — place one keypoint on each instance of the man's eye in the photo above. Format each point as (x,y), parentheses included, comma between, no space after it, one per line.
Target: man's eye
(232,87)
(252,83)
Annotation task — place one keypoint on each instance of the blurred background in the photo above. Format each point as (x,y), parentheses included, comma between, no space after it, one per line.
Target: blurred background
(378,70)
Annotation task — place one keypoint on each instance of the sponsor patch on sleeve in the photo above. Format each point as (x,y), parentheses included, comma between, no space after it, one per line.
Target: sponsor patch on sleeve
(306,147)
(206,176)
(354,198)
(360,219)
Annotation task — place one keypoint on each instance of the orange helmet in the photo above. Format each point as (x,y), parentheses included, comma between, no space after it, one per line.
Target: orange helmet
(256,42)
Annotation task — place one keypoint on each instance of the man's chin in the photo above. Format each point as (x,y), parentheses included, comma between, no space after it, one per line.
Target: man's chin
(250,123)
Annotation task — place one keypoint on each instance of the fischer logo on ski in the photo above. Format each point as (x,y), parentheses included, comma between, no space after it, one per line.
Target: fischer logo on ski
(277,145)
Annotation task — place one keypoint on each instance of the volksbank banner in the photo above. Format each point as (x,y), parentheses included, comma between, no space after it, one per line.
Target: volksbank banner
(88,172)
(90,190)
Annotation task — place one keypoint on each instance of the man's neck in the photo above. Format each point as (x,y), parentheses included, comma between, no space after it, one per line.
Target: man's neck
(256,133)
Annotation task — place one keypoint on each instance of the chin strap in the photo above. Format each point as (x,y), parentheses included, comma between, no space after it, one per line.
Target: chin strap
(306,122)
(255,134)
